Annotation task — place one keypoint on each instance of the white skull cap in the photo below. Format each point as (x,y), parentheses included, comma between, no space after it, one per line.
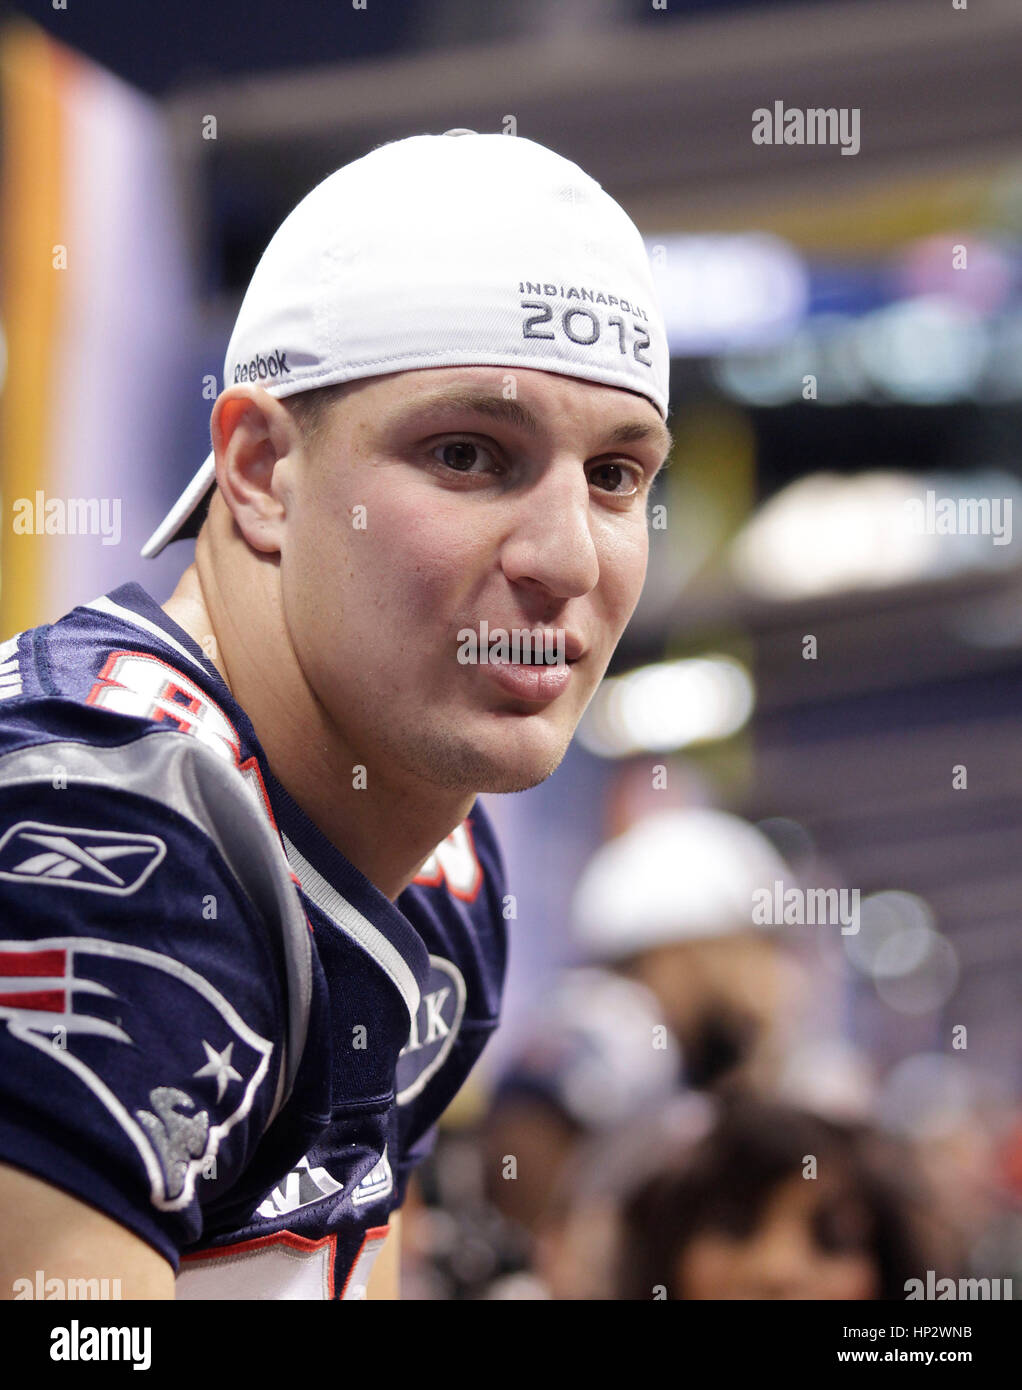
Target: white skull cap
(674,876)
(433,251)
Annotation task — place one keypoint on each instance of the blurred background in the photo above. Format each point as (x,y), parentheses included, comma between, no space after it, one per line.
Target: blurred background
(821,685)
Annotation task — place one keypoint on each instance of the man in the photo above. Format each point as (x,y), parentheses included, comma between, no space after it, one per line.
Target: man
(253,917)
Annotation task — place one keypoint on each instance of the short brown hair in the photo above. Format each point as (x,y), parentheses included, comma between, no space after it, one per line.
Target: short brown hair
(311,408)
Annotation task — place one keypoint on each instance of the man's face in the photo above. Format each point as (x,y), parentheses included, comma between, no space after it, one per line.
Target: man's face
(432,503)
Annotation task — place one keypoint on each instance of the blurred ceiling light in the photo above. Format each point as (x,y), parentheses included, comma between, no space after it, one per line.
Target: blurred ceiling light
(828,534)
(839,373)
(923,351)
(883,919)
(926,1096)
(914,968)
(875,358)
(824,348)
(930,979)
(667,706)
(903,952)
(771,376)
(723,292)
(933,266)
(825,533)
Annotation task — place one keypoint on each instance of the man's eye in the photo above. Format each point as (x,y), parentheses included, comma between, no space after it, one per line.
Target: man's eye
(615,478)
(462,455)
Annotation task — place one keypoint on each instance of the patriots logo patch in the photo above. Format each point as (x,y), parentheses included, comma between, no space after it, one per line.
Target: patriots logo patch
(88,1005)
(101,861)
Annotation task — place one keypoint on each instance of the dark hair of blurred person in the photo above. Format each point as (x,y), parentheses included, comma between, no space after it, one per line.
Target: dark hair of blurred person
(737,1217)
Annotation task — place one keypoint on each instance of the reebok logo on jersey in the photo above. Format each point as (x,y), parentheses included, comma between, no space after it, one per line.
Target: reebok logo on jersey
(101,861)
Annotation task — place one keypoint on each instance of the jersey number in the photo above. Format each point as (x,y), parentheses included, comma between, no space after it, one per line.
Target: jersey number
(140,684)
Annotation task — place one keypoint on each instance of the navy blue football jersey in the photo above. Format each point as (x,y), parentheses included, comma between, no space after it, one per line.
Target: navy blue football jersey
(213,1027)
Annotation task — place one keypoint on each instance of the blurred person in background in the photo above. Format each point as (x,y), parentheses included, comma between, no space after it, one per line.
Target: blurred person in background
(772,1202)
(668,905)
(685,994)
(482,1197)
(588,1066)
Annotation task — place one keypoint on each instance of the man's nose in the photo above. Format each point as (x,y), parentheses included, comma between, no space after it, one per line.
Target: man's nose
(550,543)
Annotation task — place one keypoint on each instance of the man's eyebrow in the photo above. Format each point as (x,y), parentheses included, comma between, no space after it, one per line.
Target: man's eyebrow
(513,412)
(638,431)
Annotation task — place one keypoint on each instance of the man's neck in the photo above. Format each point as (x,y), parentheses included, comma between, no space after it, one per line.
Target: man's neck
(386,827)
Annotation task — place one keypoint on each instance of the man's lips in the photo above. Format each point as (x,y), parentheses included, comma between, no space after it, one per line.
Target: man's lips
(535,683)
(535,679)
(543,640)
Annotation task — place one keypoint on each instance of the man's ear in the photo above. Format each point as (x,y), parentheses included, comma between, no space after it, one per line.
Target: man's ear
(253,435)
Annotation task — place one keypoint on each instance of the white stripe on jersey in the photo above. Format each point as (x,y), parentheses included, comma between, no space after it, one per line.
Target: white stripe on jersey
(351,921)
(115,610)
(10,672)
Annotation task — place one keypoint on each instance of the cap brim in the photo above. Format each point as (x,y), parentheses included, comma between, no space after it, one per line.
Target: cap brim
(184,518)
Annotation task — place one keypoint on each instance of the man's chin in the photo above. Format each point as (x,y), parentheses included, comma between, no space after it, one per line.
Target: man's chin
(520,781)
(472,768)
(523,758)
(517,775)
